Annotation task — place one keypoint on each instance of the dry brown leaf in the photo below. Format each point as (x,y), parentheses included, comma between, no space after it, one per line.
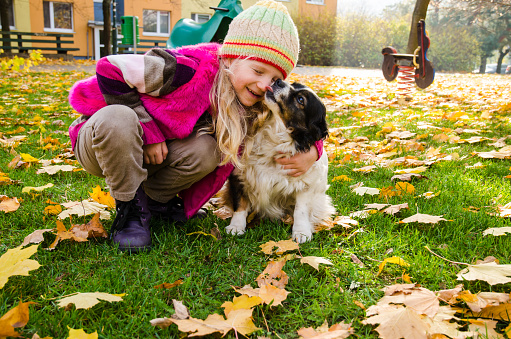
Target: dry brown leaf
(356,260)
(223,213)
(399,322)
(450,295)
(420,299)
(51,170)
(315,261)
(393,209)
(366,190)
(181,310)
(337,331)
(408,177)
(92,229)
(35,237)
(88,300)
(62,234)
(169,285)
(484,328)
(8,205)
(239,320)
(281,247)
(423,218)
(84,208)
(497,231)
(500,312)
(376,206)
(272,295)
(476,302)
(273,275)
(490,272)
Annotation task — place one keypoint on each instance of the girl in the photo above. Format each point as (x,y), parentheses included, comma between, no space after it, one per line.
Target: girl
(144,119)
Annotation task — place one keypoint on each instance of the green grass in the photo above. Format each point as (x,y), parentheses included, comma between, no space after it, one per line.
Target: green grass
(210,268)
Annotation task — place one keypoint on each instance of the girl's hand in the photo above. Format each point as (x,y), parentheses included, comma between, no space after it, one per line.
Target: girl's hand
(299,163)
(154,154)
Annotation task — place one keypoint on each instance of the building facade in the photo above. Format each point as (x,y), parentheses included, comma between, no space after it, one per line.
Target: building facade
(84,18)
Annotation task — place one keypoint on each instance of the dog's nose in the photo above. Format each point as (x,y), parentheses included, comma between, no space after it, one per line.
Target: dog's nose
(279,83)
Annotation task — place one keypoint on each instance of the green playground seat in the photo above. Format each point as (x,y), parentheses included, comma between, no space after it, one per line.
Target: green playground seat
(188,32)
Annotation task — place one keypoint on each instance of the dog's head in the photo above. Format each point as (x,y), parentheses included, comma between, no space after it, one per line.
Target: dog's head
(301,110)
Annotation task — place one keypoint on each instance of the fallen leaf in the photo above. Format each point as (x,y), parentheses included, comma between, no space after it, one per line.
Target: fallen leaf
(399,322)
(242,302)
(103,198)
(419,299)
(315,261)
(15,262)
(481,300)
(273,275)
(500,312)
(51,170)
(168,285)
(88,300)
(281,247)
(29,189)
(407,177)
(53,209)
(404,188)
(238,320)
(81,334)
(83,208)
(16,317)
(8,205)
(337,331)
(35,237)
(356,260)
(341,178)
(392,260)
(423,218)
(484,327)
(415,170)
(63,234)
(491,272)
(393,209)
(181,310)
(273,295)
(366,190)
(92,229)
(497,231)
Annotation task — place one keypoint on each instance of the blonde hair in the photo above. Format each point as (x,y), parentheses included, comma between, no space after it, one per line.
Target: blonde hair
(232,121)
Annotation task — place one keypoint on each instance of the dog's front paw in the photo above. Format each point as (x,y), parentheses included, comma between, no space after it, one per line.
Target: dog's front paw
(301,236)
(235,229)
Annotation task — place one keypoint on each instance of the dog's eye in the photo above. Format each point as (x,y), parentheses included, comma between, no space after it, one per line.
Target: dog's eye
(301,100)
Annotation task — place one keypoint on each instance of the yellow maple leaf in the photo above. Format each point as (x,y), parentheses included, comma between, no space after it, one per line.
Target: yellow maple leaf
(28,158)
(16,317)
(15,262)
(53,209)
(404,188)
(242,302)
(29,189)
(392,260)
(81,334)
(8,204)
(102,197)
(88,300)
(341,178)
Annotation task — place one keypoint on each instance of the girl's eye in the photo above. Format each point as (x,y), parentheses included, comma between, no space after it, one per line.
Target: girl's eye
(301,100)
(258,71)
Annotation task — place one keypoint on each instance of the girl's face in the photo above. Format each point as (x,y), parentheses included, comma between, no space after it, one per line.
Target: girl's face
(250,78)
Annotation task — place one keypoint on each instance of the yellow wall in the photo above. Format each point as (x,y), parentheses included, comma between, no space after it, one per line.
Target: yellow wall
(136,8)
(21,19)
(329,7)
(291,5)
(202,7)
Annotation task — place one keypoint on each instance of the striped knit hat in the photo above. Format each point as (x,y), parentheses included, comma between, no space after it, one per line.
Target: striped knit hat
(264,32)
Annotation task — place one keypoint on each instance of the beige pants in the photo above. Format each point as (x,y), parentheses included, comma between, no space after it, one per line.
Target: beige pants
(109,145)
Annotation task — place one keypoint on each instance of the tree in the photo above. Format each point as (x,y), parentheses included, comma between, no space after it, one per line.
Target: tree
(107,26)
(4,17)
(419,12)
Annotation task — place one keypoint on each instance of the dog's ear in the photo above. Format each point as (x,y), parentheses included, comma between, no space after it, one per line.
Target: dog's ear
(316,119)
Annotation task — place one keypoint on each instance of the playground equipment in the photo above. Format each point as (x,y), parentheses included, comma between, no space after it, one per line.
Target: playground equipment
(188,32)
(409,67)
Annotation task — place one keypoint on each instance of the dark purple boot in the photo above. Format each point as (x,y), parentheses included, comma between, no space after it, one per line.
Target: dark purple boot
(172,211)
(130,228)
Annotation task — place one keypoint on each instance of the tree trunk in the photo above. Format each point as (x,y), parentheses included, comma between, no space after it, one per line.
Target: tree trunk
(482,67)
(419,12)
(4,16)
(502,54)
(107,27)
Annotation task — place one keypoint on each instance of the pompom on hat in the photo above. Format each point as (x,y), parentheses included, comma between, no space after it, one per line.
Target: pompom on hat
(264,32)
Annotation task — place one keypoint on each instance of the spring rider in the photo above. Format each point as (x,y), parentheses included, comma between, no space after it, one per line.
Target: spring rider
(411,67)
(188,32)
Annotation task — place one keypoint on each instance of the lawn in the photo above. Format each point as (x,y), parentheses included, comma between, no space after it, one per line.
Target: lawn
(445,134)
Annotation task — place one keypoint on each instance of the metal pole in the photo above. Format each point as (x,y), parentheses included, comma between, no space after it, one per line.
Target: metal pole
(135,27)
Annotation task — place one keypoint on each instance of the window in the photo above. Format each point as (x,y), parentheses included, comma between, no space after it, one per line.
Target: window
(156,23)
(10,13)
(315,2)
(200,18)
(58,16)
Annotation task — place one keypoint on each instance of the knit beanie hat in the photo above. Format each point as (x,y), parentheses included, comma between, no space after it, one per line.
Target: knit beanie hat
(264,32)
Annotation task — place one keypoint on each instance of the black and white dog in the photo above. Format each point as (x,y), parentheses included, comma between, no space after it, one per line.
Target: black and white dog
(294,121)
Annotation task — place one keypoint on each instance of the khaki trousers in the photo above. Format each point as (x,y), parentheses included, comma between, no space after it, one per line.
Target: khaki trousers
(109,145)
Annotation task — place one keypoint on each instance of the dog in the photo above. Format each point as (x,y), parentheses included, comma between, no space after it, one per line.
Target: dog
(294,120)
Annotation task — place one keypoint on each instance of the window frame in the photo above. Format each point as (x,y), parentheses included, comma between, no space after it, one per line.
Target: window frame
(315,2)
(196,15)
(52,18)
(11,16)
(158,22)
